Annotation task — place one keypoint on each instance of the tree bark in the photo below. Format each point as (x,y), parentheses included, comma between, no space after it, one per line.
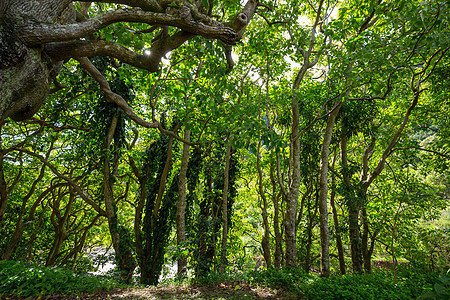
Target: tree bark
(323,193)
(311,216)
(181,206)
(292,197)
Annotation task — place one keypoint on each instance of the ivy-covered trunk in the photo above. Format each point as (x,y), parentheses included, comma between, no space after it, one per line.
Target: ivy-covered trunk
(181,208)
(226,176)
(120,236)
(353,211)
(367,250)
(159,209)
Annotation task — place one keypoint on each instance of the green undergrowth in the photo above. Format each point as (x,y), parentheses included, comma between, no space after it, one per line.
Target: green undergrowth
(409,283)
(23,280)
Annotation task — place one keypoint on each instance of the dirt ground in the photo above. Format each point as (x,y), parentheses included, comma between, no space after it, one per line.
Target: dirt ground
(216,292)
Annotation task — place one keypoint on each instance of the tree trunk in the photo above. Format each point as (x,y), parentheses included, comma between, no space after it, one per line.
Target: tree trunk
(353,212)
(265,242)
(323,193)
(123,254)
(26,72)
(339,246)
(3,186)
(59,223)
(18,231)
(367,255)
(181,207)
(226,176)
(292,197)
(311,217)
(278,254)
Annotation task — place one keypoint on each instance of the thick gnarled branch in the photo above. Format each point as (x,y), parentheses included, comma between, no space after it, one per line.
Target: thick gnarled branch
(48,33)
(66,50)
(148,5)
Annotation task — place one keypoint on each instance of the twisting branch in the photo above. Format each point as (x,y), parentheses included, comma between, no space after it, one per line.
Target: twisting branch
(444,155)
(47,33)
(69,180)
(270,23)
(66,50)
(110,95)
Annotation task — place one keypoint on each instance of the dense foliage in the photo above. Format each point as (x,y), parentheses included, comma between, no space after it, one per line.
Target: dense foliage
(324,150)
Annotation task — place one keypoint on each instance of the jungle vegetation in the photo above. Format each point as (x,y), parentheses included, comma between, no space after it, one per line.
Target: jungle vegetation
(226,136)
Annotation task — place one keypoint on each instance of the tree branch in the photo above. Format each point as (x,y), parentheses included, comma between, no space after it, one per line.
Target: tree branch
(444,155)
(66,50)
(110,95)
(39,34)
(147,5)
(76,187)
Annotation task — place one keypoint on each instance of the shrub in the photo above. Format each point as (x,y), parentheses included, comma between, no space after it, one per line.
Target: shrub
(19,279)
(408,284)
(439,290)
(287,278)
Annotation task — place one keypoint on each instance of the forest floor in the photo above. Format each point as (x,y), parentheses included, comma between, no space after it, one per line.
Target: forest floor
(226,290)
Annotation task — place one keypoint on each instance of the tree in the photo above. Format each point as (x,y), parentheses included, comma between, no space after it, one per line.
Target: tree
(38,37)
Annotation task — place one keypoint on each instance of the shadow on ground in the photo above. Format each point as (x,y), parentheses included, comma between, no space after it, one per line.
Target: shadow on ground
(216,292)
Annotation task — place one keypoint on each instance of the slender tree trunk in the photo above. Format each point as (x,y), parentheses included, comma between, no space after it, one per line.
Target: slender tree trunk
(59,223)
(292,197)
(311,217)
(33,236)
(18,231)
(3,186)
(137,219)
(323,194)
(265,242)
(226,176)
(163,182)
(60,236)
(276,221)
(181,206)
(79,244)
(336,223)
